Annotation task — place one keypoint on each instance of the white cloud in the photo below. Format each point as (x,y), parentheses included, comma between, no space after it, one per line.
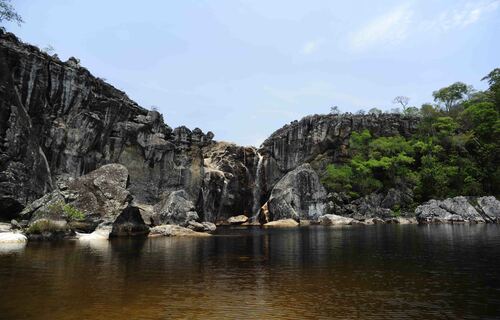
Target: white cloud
(468,14)
(311,47)
(387,29)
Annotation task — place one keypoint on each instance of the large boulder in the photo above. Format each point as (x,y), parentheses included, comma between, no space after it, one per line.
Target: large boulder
(451,210)
(97,197)
(490,207)
(175,207)
(298,195)
(129,223)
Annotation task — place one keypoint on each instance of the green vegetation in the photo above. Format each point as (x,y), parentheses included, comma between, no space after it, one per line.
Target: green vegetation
(455,152)
(59,208)
(44,225)
(73,213)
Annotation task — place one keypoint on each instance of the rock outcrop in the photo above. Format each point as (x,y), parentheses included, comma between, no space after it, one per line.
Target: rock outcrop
(298,195)
(459,209)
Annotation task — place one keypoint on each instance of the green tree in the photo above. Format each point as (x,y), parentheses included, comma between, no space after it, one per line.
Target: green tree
(493,79)
(451,95)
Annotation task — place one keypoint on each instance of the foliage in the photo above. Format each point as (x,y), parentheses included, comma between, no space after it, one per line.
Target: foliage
(73,213)
(451,95)
(44,225)
(59,208)
(8,13)
(456,150)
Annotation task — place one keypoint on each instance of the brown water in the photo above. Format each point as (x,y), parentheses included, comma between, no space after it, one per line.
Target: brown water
(373,272)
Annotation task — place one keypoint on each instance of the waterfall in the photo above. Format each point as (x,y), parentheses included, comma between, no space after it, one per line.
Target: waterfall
(256,189)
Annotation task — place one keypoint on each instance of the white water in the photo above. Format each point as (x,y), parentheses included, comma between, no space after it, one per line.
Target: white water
(256,190)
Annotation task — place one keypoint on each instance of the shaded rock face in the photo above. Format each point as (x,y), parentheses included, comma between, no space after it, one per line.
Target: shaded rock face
(380,205)
(229,181)
(459,209)
(57,120)
(175,208)
(298,195)
(129,223)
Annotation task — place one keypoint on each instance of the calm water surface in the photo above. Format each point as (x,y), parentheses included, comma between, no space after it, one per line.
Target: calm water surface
(372,272)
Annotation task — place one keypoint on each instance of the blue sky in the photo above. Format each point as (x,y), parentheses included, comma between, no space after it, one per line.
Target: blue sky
(243,69)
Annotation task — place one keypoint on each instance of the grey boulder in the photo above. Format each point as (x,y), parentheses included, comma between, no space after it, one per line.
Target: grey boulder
(298,195)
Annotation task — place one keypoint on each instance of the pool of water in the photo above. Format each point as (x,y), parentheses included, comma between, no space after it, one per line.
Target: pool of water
(371,272)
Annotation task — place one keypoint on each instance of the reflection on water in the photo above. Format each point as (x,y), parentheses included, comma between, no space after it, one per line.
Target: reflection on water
(377,272)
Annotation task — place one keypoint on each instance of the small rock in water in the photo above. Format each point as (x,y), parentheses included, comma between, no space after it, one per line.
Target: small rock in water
(169,230)
(284,223)
(237,219)
(333,219)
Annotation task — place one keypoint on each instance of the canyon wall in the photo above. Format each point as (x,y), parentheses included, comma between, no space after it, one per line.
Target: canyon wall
(59,122)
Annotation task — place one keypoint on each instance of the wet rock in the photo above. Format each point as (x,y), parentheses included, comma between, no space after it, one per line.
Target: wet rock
(299,195)
(282,223)
(332,219)
(237,219)
(201,227)
(451,210)
(129,223)
(175,231)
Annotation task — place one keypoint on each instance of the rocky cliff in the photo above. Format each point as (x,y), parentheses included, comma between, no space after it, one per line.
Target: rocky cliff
(59,122)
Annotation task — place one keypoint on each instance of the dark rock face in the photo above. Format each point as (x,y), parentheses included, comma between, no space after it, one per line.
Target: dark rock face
(298,195)
(381,205)
(58,121)
(229,181)
(129,223)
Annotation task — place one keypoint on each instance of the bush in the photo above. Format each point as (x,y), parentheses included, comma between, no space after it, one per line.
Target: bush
(73,213)
(44,225)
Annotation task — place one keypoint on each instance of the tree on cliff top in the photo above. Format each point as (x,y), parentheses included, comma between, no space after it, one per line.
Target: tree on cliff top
(451,95)
(8,13)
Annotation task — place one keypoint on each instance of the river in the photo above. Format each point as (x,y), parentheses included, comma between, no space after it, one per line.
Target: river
(358,272)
